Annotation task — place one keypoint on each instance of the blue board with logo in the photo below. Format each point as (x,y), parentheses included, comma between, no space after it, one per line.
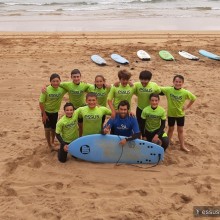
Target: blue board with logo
(106,149)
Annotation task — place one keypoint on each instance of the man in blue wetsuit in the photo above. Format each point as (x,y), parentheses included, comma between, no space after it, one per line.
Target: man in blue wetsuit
(123,124)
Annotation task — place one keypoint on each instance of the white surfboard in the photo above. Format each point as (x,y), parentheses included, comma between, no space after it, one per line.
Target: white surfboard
(98,60)
(119,59)
(143,55)
(188,55)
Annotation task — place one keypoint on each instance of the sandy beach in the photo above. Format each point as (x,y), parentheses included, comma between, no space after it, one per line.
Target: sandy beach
(34,185)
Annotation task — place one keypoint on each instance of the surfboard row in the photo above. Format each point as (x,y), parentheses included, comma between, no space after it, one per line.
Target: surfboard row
(164,54)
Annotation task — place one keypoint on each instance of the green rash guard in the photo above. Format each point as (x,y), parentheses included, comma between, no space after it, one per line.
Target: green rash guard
(153,117)
(176,99)
(143,93)
(120,93)
(101,94)
(76,92)
(67,128)
(52,98)
(92,118)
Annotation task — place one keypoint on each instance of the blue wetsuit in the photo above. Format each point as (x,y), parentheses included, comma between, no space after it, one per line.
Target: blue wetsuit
(127,126)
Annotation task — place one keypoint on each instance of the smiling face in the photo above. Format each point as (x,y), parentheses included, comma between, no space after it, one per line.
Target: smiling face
(178,83)
(91,101)
(55,82)
(144,82)
(124,82)
(154,102)
(69,111)
(123,111)
(99,82)
(76,78)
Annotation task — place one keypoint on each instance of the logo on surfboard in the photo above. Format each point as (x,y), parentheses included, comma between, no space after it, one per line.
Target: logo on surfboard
(85,149)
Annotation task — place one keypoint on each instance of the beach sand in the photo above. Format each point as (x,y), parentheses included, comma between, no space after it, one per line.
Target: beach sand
(34,185)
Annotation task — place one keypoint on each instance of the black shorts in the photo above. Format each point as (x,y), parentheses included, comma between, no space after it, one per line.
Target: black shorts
(51,121)
(180,121)
(163,137)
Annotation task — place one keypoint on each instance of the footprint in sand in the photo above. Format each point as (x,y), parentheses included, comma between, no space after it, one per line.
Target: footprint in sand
(35,163)
(10,167)
(57,186)
(3,133)
(180,200)
(138,191)
(7,190)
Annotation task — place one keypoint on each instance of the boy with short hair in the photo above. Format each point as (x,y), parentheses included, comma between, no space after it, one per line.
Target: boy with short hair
(143,90)
(66,131)
(92,115)
(123,92)
(76,90)
(155,119)
(50,102)
(176,97)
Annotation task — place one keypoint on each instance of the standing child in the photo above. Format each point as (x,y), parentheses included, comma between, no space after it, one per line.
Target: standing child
(92,115)
(155,119)
(50,102)
(101,90)
(143,90)
(176,97)
(123,92)
(66,131)
(76,90)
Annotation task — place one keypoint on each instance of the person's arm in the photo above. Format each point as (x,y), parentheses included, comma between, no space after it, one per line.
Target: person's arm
(136,132)
(188,105)
(106,129)
(60,139)
(110,103)
(131,138)
(44,116)
(160,131)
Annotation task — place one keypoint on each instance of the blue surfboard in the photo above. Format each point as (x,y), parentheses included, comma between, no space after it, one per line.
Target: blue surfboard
(106,149)
(119,59)
(98,60)
(209,55)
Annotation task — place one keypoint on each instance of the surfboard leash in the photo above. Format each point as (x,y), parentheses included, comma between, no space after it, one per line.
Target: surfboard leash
(117,163)
(159,157)
(122,148)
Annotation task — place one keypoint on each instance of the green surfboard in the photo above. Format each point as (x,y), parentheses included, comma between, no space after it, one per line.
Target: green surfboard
(166,55)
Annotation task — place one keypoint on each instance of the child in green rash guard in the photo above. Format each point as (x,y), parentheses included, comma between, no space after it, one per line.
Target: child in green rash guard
(49,103)
(91,115)
(155,119)
(143,90)
(101,90)
(123,92)
(176,97)
(66,131)
(76,90)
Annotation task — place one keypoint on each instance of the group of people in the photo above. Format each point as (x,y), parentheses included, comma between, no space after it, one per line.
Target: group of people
(86,111)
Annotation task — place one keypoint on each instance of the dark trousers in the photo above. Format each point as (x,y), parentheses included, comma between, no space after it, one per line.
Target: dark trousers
(141,121)
(62,155)
(164,140)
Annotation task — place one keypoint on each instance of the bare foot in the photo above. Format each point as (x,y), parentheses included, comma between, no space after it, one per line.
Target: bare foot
(184,149)
(52,148)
